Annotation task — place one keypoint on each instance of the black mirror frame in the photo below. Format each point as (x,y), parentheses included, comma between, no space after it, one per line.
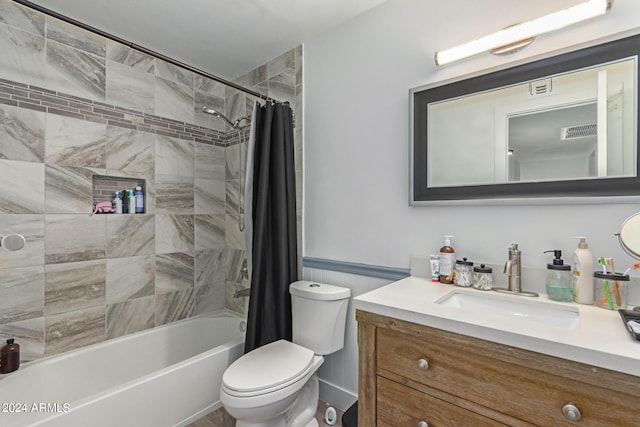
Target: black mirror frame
(628,47)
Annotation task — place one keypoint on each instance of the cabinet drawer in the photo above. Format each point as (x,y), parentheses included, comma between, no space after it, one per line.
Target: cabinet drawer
(519,390)
(399,405)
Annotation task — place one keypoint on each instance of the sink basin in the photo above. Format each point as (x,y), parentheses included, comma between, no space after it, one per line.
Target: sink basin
(563,316)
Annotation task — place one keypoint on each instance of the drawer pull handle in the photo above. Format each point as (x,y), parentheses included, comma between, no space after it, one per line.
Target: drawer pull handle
(423,364)
(423,424)
(571,412)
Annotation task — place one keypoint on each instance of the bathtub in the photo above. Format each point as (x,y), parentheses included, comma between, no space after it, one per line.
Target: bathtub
(165,376)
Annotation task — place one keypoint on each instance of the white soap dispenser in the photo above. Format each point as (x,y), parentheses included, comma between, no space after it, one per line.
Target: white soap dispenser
(583,273)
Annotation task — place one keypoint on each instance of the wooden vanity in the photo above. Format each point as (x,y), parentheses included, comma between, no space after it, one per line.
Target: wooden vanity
(416,375)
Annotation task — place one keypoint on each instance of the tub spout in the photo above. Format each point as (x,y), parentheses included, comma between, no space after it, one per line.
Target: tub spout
(242,293)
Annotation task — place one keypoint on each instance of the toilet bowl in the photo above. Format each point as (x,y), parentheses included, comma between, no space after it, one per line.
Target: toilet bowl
(274,380)
(276,385)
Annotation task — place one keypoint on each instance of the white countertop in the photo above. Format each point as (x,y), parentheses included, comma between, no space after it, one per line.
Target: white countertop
(600,338)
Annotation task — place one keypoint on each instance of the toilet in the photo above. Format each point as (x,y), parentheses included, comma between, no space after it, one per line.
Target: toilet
(276,385)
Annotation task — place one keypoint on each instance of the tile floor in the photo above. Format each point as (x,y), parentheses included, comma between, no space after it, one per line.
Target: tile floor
(220,418)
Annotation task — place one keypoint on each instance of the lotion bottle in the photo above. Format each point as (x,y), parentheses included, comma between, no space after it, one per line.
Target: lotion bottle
(447,260)
(582,273)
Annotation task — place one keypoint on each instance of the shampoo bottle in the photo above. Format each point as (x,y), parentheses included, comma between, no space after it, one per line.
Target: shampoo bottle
(139,200)
(447,260)
(9,357)
(132,202)
(117,203)
(583,273)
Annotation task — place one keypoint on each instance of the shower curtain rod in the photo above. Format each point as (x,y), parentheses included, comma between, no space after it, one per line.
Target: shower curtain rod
(155,54)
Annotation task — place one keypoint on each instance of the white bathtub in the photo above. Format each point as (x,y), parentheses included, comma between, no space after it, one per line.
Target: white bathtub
(165,376)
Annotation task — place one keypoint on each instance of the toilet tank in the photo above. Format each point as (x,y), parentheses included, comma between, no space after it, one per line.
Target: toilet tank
(319,315)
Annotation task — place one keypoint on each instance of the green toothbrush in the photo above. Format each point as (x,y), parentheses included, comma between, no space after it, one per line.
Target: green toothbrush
(607,292)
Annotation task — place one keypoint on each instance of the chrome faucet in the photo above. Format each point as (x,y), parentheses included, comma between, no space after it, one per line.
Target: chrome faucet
(513,269)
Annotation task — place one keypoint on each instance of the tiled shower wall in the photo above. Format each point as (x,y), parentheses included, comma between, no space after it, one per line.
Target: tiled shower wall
(74,105)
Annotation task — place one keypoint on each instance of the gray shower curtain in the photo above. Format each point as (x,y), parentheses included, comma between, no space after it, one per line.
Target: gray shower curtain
(274,241)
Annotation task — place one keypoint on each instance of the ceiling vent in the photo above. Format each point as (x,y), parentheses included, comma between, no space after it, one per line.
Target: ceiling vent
(580,131)
(541,87)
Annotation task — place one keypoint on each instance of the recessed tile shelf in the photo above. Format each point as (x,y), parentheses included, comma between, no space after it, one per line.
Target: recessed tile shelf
(105,187)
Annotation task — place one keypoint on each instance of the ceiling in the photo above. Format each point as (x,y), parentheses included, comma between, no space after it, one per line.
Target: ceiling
(226,38)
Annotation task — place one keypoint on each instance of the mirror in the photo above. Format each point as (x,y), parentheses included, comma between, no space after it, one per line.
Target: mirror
(629,236)
(564,126)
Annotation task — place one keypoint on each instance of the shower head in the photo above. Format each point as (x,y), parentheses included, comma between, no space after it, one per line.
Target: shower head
(218,114)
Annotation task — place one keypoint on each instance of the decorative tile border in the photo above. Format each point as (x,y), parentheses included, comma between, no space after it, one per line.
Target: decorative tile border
(40,99)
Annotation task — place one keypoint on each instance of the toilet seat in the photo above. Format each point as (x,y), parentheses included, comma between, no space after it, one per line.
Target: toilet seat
(267,369)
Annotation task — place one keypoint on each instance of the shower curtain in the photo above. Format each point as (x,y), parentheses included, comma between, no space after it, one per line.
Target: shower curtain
(273,220)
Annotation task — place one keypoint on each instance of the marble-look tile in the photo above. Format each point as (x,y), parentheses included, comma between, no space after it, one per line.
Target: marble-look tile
(11,13)
(173,306)
(72,238)
(23,57)
(68,189)
(209,86)
(233,264)
(174,73)
(174,156)
(235,104)
(130,150)
(210,268)
(130,316)
(209,232)
(32,228)
(257,75)
(75,37)
(130,88)
(298,64)
(29,334)
(130,235)
(209,161)
(174,233)
(129,278)
(209,280)
(75,329)
(21,134)
(209,298)
(75,72)
(23,187)
(174,194)
(232,161)
(74,285)
(74,142)
(238,305)
(282,86)
(125,55)
(207,120)
(173,100)
(233,237)
(174,272)
(281,63)
(232,193)
(21,293)
(209,197)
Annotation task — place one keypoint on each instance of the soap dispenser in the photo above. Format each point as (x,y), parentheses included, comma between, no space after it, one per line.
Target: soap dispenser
(558,281)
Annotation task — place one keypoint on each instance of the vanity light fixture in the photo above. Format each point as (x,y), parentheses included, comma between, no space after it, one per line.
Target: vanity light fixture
(516,37)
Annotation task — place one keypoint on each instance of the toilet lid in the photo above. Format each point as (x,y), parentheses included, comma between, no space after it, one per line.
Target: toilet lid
(268,366)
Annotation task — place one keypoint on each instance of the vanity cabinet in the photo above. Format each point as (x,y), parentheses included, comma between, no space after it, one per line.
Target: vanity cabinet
(413,375)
